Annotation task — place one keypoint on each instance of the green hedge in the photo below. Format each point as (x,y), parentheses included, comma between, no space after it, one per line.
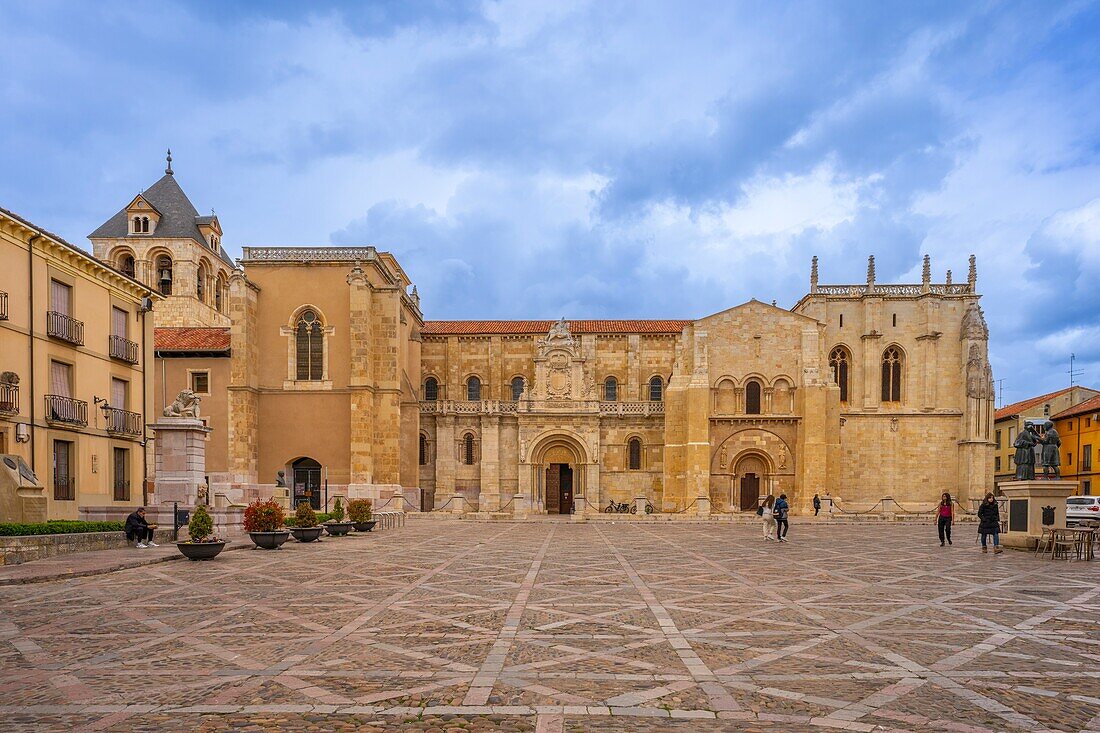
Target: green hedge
(58,526)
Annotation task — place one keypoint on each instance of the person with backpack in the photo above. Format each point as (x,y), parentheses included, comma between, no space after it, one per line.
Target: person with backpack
(767,512)
(989,523)
(782,508)
(945,513)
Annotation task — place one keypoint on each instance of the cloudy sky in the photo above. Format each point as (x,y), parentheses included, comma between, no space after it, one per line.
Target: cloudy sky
(596,159)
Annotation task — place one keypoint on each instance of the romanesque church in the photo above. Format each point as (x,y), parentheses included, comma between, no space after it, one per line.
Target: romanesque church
(318,362)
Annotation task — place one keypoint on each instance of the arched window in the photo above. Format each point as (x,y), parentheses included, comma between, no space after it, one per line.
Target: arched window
(752,397)
(468,449)
(219,294)
(431,389)
(126,264)
(611,389)
(656,389)
(137,225)
(309,347)
(517,388)
(164,274)
(891,375)
(423,449)
(839,361)
(634,454)
(200,283)
(473,389)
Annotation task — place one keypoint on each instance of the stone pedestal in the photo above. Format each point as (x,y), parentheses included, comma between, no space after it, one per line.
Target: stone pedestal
(521,506)
(458,504)
(580,504)
(180,460)
(639,504)
(702,506)
(1028,502)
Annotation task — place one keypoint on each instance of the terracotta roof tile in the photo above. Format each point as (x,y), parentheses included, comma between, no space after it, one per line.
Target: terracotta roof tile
(461,328)
(1018,407)
(1091,405)
(191,339)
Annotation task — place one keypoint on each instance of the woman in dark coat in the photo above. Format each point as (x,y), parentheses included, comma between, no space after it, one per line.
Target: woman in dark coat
(989,523)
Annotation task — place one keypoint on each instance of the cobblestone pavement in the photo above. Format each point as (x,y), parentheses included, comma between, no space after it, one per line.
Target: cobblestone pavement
(562,627)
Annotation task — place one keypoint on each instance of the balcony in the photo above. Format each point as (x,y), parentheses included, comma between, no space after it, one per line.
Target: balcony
(64,488)
(3,306)
(66,410)
(65,328)
(122,421)
(623,409)
(123,349)
(9,398)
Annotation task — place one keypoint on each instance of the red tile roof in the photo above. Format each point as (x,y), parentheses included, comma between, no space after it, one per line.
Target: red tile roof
(1092,405)
(191,339)
(1023,405)
(461,328)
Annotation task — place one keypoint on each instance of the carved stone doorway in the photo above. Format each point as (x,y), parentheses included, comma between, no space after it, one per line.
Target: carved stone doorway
(559,489)
(750,492)
(749,472)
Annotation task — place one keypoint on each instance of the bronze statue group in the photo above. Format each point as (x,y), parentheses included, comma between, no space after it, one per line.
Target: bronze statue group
(1033,435)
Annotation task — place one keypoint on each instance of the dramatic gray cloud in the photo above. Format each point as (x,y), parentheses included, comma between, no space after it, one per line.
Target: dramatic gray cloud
(588,159)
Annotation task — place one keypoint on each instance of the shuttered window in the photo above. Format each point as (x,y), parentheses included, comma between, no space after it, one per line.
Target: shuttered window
(119,389)
(118,322)
(61,298)
(61,379)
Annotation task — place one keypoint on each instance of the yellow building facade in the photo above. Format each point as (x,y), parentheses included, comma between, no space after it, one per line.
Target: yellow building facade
(76,383)
(1079,429)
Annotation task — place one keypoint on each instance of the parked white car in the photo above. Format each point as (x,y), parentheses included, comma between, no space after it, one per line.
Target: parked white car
(1081,508)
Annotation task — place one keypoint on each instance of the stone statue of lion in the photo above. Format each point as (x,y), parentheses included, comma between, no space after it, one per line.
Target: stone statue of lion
(186,404)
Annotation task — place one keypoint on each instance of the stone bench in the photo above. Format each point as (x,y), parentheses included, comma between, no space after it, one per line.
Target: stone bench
(17,550)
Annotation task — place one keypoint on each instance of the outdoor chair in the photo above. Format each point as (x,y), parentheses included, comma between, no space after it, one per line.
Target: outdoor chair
(1062,544)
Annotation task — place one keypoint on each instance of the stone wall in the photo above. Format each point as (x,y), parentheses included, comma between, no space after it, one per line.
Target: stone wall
(16,550)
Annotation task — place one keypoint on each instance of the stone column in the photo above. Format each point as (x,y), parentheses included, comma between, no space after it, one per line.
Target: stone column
(489,498)
(360,380)
(444,459)
(180,459)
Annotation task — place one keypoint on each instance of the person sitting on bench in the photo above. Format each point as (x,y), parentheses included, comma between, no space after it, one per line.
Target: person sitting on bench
(137,528)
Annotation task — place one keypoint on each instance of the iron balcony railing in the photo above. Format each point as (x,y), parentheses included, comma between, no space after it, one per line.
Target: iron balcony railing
(124,349)
(64,327)
(66,410)
(3,306)
(64,488)
(122,421)
(9,398)
(122,490)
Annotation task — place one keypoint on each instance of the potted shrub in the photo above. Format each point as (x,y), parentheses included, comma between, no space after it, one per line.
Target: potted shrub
(263,520)
(336,526)
(203,545)
(305,527)
(359,512)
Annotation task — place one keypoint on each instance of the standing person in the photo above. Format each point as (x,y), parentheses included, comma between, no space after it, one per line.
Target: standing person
(817,505)
(138,528)
(768,513)
(989,523)
(782,508)
(945,513)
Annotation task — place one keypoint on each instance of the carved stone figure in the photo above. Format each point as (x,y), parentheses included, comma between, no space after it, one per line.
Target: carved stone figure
(974,374)
(280,479)
(973,323)
(186,404)
(560,330)
(722,457)
(1025,453)
(1051,444)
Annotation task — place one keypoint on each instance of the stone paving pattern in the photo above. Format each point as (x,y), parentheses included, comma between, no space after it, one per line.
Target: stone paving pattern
(551,627)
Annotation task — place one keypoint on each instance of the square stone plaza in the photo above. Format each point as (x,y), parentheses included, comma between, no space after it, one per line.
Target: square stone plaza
(458,625)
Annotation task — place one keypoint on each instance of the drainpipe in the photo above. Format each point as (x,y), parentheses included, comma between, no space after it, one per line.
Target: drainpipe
(30,332)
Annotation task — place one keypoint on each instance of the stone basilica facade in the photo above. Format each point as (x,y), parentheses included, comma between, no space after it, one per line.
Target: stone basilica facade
(318,362)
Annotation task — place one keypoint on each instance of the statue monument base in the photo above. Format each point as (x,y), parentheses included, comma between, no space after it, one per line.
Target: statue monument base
(180,460)
(1033,505)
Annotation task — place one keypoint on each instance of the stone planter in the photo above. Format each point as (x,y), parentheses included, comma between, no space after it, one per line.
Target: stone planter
(270,540)
(200,550)
(307,534)
(365,526)
(338,529)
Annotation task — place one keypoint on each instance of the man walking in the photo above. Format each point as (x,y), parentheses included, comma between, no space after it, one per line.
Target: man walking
(781,525)
(817,505)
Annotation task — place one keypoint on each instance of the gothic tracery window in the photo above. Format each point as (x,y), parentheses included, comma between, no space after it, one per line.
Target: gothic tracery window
(839,361)
(309,347)
(891,374)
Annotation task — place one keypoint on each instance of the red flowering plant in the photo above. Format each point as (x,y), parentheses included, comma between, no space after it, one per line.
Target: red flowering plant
(263,516)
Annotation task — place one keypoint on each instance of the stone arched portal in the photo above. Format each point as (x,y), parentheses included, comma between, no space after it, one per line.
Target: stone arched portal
(749,463)
(559,468)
